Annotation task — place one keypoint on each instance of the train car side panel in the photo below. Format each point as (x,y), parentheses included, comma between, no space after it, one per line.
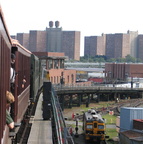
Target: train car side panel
(22,82)
(35,76)
(5,48)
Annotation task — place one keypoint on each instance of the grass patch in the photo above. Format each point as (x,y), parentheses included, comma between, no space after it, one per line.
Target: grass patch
(110,119)
(111,133)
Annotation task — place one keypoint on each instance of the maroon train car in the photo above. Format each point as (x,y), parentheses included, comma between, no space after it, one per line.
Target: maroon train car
(5,56)
(20,90)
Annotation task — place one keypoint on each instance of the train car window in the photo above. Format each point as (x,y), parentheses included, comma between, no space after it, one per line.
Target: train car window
(89,126)
(100,126)
(95,125)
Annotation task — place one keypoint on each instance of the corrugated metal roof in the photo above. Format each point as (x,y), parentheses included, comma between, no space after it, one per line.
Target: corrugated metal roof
(127,115)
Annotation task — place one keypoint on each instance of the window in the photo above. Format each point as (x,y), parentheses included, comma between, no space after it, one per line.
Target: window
(100,126)
(89,126)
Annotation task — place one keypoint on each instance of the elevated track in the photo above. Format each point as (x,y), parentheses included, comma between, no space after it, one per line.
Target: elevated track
(70,96)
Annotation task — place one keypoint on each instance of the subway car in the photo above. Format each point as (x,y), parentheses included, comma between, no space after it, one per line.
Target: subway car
(94,127)
(25,88)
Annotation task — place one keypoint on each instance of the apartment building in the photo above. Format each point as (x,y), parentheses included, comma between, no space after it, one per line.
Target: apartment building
(133,42)
(71,44)
(140,47)
(37,41)
(53,39)
(94,45)
(117,45)
(110,43)
(24,39)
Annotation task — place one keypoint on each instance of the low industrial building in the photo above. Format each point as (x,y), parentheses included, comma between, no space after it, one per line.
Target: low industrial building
(123,72)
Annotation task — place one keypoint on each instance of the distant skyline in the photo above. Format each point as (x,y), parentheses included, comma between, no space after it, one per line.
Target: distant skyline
(90,17)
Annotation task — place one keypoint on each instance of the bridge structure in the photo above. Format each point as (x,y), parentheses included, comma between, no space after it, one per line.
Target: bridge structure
(76,95)
(84,65)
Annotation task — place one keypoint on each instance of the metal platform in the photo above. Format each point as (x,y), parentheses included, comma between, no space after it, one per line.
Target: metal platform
(41,131)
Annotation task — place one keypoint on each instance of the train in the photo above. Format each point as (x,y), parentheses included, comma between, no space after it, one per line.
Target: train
(25,88)
(94,127)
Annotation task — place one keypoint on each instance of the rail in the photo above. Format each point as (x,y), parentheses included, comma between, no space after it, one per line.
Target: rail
(51,105)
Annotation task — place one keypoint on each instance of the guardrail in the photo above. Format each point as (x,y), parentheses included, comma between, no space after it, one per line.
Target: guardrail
(52,110)
(90,87)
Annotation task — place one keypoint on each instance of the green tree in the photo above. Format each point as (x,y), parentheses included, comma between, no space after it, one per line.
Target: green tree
(130,59)
(121,60)
(111,60)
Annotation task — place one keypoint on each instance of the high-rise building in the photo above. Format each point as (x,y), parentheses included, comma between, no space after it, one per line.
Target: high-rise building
(133,43)
(53,39)
(37,41)
(24,39)
(122,47)
(86,46)
(116,45)
(110,46)
(140,47)
(94,45)
(71,44)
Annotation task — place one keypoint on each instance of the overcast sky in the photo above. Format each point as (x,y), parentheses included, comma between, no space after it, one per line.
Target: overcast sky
(90,17)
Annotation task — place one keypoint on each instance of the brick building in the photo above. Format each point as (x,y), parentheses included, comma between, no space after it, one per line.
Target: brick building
(94,45)
(37,41)
(24,39)
(116,45)
(140,47)
(110,42)
(133,43)
(71,44)
(54,64)
(53,39)
(123,71)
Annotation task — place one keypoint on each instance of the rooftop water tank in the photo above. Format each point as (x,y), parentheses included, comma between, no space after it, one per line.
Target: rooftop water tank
(57,23)
(51,24)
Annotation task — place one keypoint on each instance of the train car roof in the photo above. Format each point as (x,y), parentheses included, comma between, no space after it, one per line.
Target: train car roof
(4,24)
(21,49)
(91,115)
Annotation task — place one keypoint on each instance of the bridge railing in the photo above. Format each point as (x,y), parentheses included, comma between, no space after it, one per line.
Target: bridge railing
(96,87)
(52,110)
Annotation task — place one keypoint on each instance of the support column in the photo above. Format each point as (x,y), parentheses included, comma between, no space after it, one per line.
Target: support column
(81,97)
(141,94)
(115,96)
(88,101)
(62,101)
(79,100)
(70,102)
(98,97)
(92,96)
